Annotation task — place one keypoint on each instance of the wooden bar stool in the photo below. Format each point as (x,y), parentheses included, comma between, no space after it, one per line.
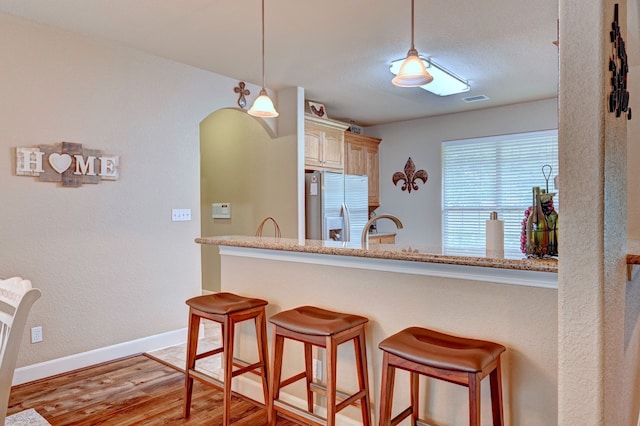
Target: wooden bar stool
(327,329)
(227,309)
(454,359)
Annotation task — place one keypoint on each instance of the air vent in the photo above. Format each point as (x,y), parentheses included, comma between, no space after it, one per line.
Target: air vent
(478,98)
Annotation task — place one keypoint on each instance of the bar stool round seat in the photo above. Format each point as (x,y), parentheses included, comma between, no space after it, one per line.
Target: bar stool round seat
(328,329)
(227,309)
(442,356)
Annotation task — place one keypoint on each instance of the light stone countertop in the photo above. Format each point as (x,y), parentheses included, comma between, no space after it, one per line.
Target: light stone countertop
(515,261)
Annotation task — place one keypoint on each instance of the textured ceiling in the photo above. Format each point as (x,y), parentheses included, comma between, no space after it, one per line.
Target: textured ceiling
(339,50)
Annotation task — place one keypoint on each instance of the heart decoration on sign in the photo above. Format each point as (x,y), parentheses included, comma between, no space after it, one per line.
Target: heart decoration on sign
(60,162)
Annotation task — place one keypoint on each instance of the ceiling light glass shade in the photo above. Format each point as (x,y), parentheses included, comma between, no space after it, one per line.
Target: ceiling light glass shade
(412,72)
(444,82)
(263,106)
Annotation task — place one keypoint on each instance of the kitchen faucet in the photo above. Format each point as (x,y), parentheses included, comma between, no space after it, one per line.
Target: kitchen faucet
(365,231)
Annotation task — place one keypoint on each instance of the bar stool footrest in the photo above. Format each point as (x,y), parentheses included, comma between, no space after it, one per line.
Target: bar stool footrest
(207,354)
(293,379)
(340,395)
(219,385)
(245,367)
(298,414)
(403,415)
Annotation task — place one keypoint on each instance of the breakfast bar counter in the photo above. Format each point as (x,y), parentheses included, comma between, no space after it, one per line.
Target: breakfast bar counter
(386,251)
(510,301)
(514,268)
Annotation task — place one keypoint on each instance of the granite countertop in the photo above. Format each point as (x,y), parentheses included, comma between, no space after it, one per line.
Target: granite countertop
(387,251)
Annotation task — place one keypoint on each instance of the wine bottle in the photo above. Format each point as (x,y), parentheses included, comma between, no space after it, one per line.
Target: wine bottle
(540,228)
(530,245)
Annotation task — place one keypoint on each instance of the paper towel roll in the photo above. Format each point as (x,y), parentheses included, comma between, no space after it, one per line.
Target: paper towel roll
(495,238)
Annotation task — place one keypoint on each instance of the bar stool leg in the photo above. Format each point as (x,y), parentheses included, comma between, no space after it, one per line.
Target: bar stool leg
(308,368)
(274,390)
(495,380)
(331,367)
(386,386)
(263,354)
(227,365)
(359,346)
(192,349)
(474,400)
(415,396)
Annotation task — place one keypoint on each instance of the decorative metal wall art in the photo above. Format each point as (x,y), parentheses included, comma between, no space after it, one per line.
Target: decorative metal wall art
(619,67)
(410,176)
(242,92)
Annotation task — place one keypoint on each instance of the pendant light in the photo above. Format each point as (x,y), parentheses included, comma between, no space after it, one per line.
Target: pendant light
(412,72)
(263,105)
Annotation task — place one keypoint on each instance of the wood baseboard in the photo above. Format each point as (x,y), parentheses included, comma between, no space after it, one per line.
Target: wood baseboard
(57,366)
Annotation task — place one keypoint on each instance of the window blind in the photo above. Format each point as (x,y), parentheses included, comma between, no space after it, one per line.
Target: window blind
(488,174)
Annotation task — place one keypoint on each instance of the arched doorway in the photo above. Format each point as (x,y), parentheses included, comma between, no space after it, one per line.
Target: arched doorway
(242,163)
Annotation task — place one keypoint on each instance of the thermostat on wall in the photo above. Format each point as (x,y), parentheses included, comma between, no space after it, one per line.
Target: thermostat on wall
(221,210)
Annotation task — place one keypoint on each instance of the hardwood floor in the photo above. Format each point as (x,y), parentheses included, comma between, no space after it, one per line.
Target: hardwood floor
(131,391)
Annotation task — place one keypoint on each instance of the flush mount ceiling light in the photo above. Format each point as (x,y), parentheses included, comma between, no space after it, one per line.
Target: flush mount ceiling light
(412,72)
(263,105)
(444,82)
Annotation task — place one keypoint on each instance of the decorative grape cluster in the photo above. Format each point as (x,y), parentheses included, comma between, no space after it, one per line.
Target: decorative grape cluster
(547,206)
(523,232)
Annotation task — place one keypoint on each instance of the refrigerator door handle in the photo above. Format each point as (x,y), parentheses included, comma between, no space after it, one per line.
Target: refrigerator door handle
(346,227)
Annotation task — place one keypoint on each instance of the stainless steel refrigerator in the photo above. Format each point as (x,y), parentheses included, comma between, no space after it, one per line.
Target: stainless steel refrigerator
(337,206)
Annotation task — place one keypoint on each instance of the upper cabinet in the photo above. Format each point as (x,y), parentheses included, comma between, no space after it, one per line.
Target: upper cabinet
(324,144)
(362,158)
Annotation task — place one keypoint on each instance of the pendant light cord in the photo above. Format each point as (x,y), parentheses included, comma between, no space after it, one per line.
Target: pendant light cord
(412,26)
(263,79)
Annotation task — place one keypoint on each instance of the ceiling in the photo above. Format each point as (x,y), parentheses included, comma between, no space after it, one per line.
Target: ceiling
(339,50)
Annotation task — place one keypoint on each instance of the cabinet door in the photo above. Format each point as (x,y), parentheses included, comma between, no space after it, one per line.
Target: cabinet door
(362,159)
(333,149)
(355,160)
(373,171)
(374,239)
(388,239)
(313,146)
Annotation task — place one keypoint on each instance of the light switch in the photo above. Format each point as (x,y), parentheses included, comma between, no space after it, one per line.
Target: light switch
(180,215)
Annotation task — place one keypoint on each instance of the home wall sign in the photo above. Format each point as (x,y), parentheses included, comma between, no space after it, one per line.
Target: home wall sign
(68,163)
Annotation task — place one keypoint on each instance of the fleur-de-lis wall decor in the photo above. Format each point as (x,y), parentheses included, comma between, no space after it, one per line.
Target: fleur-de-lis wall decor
(410,176)
(242,92)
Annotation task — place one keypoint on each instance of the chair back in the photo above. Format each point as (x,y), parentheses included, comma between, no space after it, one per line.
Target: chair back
(16,298)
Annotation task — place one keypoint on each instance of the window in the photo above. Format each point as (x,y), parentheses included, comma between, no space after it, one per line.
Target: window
(492,174)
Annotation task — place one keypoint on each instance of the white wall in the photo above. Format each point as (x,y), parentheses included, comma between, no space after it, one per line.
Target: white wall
(111,265)
(420,211)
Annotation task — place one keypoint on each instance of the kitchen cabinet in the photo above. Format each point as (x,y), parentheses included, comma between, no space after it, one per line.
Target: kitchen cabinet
(382,238)
(361,158)
(324,144)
